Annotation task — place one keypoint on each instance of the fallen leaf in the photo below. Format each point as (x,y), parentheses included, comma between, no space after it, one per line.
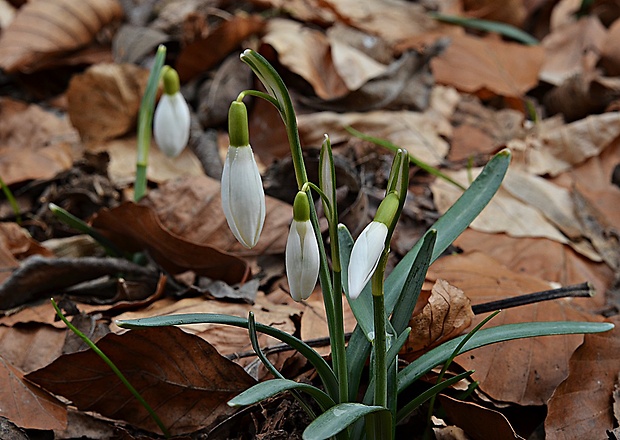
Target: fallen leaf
(192,209)
(104,100)
(303,10)
(580,406)
(44,30)
(122,166)
(524,371)
(182,377)
(513,12)
(572,49)
(136,227)
(610,55)
(421,134)
(446,314)
(202,54)
(34,143)
(477,421)
(19,242)
(29,347)
(306,52)
(544,259)
(27,405)
(488,67)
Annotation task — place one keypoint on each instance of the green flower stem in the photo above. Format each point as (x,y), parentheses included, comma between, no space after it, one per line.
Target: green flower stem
(267,97)
(114,368)
(338,347)
(277,89)
(380,343)
(145,123)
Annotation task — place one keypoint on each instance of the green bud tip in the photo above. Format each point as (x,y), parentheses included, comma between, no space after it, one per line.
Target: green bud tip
(387,209)
(238,125)
(301,207)
(171,80)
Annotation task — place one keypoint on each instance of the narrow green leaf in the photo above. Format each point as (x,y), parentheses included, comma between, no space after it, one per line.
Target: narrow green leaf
(323,369)
(504,29)
(337,419)
(439,355)
(269,388)
(413,283)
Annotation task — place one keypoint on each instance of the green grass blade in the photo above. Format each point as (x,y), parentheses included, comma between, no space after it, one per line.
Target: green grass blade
(488,26)
(441,354)
(323,369)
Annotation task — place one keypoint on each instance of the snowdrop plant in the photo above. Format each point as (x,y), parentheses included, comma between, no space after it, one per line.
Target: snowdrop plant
(382,305)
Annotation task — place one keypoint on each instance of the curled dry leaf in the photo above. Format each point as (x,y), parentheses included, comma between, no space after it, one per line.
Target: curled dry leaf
(488,67)
(447,313)
(135,228)
(184,379)
(44,30)
(27,405)
(580,406)
(610,57)
(34,143)
(525,371)
(104,101)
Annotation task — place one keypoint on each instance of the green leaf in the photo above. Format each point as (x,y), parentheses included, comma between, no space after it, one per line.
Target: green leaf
(337,419)
(439,355)
(323,369)
(413,284)
(269,388)
(488,26)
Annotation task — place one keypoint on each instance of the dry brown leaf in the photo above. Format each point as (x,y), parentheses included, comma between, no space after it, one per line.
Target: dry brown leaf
(135,228)
(447,313)
(610,56)
(572,49)
(580,406)
(44,30)
(512,12)
(422,134)
(553,148)
(478,421)
(122,166)
(488,67)
(34,143)
(29,347)
(524,371)
(105,99)
(184,379)
(203,54)
(27,405)
(192,209)
(542,258)
(303,10)
(307,52)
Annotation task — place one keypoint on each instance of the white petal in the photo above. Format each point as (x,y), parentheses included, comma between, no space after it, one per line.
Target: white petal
(365,256)
(302,260)
(243,197)
(171,124)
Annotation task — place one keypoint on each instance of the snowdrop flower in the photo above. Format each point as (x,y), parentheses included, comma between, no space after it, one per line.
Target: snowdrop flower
(243,197)
(302,251)
(369,246)
(171,120)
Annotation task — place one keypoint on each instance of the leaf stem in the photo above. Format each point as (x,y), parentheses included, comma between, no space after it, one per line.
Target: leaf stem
(114,368)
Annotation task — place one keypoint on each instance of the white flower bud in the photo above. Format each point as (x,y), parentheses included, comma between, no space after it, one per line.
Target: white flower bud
(365,256)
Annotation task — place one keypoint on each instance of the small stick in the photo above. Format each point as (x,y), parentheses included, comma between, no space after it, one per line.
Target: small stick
(582,290)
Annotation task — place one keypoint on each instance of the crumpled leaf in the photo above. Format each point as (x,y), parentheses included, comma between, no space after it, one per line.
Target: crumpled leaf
(488,67)
(136,227)
(34,143)
(44,30)
(580,406)
(27,405)
(184,379)
(610,56)
(105,99)
(527,371)
(447,313)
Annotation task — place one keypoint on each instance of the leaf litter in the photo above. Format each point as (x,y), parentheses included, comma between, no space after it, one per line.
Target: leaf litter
(450,96)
